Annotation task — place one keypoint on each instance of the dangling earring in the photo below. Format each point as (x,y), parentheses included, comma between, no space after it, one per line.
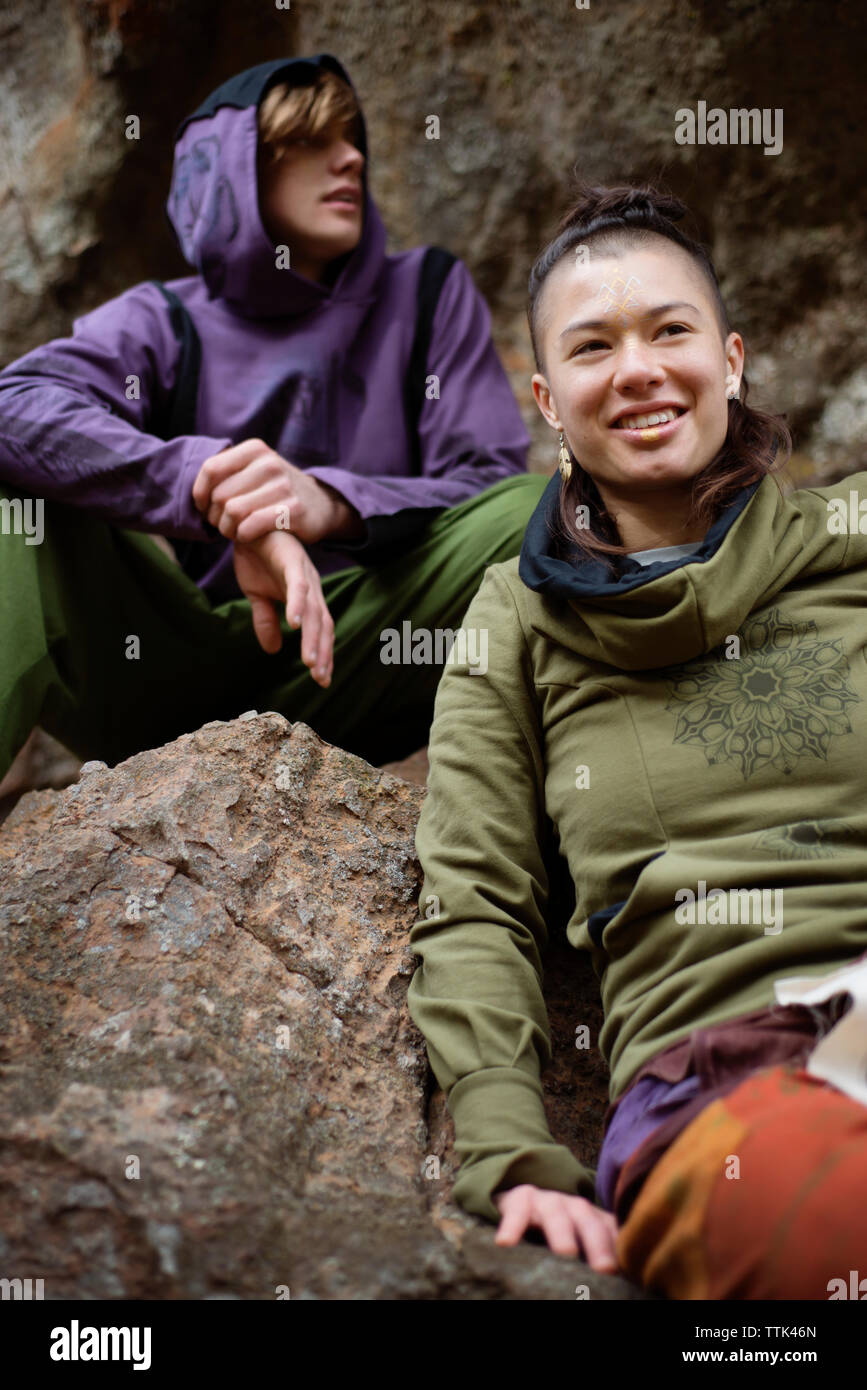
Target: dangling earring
(564,462)
(733,387)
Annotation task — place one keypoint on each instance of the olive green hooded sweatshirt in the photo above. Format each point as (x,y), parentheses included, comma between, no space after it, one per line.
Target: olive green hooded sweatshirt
(691,739)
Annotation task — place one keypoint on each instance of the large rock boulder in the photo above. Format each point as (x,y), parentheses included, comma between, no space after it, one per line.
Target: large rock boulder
(211,1085)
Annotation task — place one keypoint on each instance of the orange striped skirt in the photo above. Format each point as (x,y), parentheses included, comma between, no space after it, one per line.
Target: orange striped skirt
(762,1196)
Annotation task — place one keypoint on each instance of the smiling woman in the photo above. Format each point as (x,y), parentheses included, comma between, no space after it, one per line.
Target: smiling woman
(671,678)
(631,334)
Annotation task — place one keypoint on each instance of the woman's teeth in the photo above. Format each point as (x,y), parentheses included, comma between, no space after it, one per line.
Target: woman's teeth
(641,422)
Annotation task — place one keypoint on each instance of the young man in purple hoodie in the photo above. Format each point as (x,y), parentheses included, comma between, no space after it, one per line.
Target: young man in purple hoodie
(320,429)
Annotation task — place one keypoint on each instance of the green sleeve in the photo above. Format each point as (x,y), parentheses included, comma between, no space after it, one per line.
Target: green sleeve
(477,992)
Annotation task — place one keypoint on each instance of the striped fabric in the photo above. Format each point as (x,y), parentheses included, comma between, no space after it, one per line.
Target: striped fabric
(763,1195)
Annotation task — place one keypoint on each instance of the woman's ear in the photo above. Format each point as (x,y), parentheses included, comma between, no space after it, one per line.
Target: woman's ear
(735,355)
(544,400)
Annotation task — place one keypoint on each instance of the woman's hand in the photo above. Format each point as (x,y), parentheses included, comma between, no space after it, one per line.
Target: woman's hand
(571,1225)
(277,569)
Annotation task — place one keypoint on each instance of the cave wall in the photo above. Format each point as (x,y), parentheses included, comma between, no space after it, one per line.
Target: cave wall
(523,93)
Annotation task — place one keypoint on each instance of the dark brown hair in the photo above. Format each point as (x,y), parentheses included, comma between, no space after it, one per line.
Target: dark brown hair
(617,217)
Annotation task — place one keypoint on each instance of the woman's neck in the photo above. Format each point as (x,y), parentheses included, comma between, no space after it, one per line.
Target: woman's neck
(659,520)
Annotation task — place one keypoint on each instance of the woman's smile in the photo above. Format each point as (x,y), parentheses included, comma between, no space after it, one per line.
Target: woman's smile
(635,371)
(648,427)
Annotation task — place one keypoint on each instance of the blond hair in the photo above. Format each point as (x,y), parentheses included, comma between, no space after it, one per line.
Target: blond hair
(320,112)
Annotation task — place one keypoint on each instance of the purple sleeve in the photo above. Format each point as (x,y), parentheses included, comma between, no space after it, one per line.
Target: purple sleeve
(75,415)
(471,437)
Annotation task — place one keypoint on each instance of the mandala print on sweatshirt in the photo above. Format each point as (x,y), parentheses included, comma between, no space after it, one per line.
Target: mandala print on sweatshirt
(807,839)
(782,699)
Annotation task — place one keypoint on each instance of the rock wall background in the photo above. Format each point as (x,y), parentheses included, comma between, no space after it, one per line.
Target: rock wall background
(243,1150)
(523,91)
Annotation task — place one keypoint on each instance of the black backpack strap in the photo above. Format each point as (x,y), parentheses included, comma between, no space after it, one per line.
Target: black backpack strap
(180,418)
(435,266)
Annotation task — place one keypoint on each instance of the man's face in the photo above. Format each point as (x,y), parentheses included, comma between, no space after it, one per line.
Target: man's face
(626,337)
(311,200)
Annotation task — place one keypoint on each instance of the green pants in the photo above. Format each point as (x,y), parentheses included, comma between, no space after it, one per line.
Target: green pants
(69,606)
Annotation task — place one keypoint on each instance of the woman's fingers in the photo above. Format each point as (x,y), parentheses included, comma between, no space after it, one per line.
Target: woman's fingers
(515,1213)
(597,1240)
(573,1229)
(559,1228)
(571,1225)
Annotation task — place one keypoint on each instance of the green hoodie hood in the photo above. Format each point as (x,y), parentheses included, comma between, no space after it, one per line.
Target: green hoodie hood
(671,611)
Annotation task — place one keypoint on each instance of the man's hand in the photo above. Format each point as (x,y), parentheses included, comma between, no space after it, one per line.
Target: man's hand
(277,568)
(248,490)
(564,1219)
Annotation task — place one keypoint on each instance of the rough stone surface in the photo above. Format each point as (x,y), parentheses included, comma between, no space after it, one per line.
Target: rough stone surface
(43,762)
(211,1086)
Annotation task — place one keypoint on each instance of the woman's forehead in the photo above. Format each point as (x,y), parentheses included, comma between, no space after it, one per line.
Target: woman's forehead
(618,281)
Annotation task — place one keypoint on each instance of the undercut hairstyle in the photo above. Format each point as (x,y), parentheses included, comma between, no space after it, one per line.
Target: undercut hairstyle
(609,219)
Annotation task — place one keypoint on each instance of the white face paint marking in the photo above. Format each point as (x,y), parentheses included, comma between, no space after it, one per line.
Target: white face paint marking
(619,297)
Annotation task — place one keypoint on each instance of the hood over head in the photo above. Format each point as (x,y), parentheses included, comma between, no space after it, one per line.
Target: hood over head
(673,610)
(213,204)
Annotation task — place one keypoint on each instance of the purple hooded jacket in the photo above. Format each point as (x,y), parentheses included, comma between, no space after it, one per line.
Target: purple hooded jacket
(315,370)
